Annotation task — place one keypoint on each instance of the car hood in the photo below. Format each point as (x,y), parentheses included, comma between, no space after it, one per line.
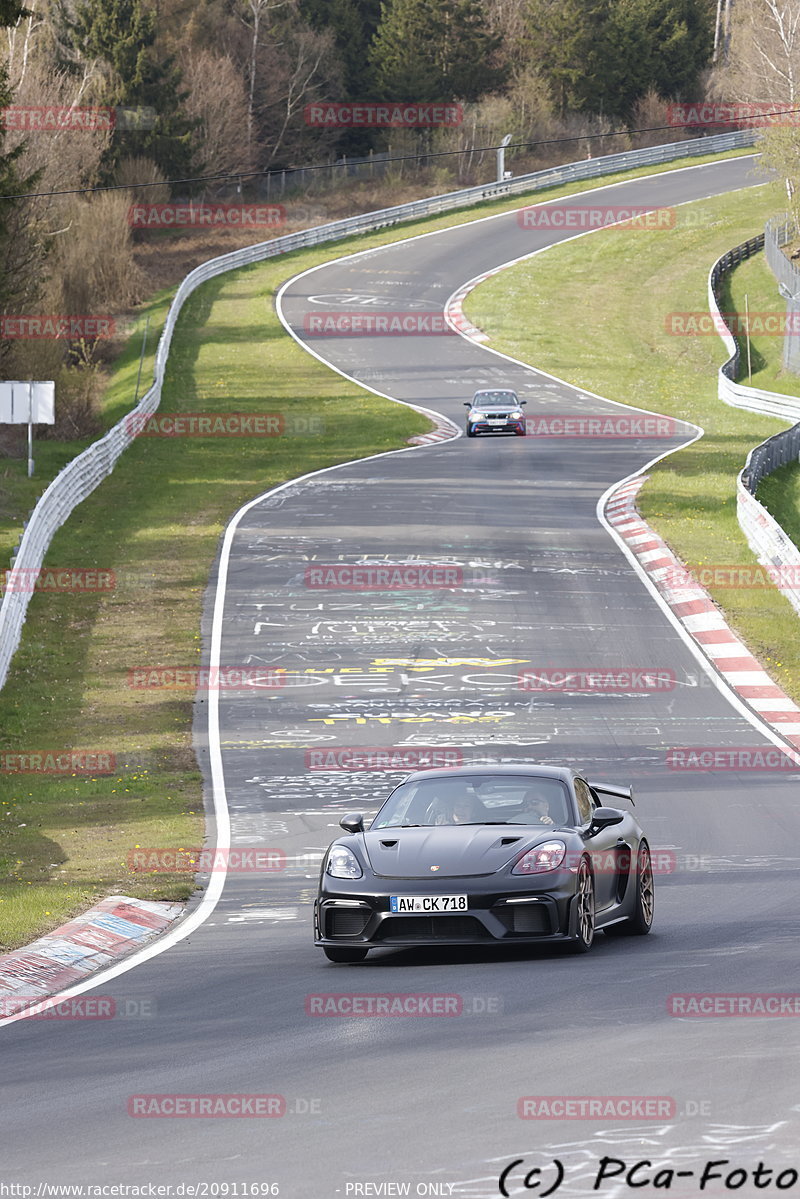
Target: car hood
(457,850)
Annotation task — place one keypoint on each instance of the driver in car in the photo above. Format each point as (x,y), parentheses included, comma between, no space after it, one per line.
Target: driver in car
(536,807)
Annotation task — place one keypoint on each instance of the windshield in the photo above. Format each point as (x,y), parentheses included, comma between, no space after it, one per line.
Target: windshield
(477,799)
(495,399)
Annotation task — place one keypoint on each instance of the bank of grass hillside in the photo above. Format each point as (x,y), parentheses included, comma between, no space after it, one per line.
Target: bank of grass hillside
(596,311)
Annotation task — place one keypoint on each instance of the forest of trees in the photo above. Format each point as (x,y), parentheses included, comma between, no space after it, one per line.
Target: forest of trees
(226,84)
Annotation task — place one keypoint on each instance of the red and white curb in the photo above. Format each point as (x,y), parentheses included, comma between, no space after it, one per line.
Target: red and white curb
(445,430)
(112,928)
(700,616)
(454,312)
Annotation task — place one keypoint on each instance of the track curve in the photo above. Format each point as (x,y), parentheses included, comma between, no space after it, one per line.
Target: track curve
(433,1101)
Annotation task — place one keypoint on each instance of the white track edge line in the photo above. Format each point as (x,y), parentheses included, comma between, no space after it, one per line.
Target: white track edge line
(211,896)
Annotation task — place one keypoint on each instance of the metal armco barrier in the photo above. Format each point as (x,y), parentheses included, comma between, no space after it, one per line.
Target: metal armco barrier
(766,538)
(778,231)
(79,479)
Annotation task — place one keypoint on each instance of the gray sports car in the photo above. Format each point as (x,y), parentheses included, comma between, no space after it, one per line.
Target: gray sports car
(486,855)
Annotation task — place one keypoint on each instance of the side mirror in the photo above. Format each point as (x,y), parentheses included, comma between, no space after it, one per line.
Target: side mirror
(522,402)
(467,404)
(606,817)
(353,822)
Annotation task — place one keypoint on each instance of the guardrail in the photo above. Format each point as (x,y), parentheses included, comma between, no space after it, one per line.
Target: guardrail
(779,230)
(79,479)
(768,541)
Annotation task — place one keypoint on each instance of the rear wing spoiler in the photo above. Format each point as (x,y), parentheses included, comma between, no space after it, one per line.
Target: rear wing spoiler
(614,790)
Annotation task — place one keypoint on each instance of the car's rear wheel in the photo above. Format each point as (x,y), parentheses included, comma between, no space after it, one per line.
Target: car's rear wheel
(584,903)
(345,954)
(640,921)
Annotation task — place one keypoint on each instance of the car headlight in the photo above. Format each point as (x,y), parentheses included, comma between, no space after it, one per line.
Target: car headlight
(343,863)
(516,415)
(547,856)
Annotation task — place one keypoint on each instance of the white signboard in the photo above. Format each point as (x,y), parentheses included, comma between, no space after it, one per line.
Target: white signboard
(23,402)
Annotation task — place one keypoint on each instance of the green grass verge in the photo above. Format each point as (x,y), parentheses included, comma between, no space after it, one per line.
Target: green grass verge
(156,522)
(754,283)
(594,312)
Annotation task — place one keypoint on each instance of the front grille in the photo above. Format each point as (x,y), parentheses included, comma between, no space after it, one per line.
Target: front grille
(431,928)
(345,922)
(529,918)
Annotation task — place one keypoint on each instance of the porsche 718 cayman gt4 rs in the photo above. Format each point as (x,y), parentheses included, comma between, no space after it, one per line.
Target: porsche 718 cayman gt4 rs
(486,855)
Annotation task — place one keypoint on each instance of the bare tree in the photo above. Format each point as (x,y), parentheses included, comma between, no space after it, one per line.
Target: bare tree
(65,157)
(19,41)
(508,18)
(255,16)
(722,31)
(218,101)
(764,59)
(300,66)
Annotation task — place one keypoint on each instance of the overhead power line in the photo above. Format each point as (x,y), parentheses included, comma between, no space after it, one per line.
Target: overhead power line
(238,176)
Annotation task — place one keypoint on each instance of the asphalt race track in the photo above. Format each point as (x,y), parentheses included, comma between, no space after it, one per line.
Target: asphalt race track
(432,1101)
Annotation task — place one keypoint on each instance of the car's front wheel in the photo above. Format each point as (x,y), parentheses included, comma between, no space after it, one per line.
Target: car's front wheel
(584,915)
(470,431)
(345,954)
(640,921)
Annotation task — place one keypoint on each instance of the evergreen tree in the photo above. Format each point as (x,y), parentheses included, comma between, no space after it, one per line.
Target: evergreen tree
(601,56)
(431,50)
(568,40)
(120,36)
(353,23)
